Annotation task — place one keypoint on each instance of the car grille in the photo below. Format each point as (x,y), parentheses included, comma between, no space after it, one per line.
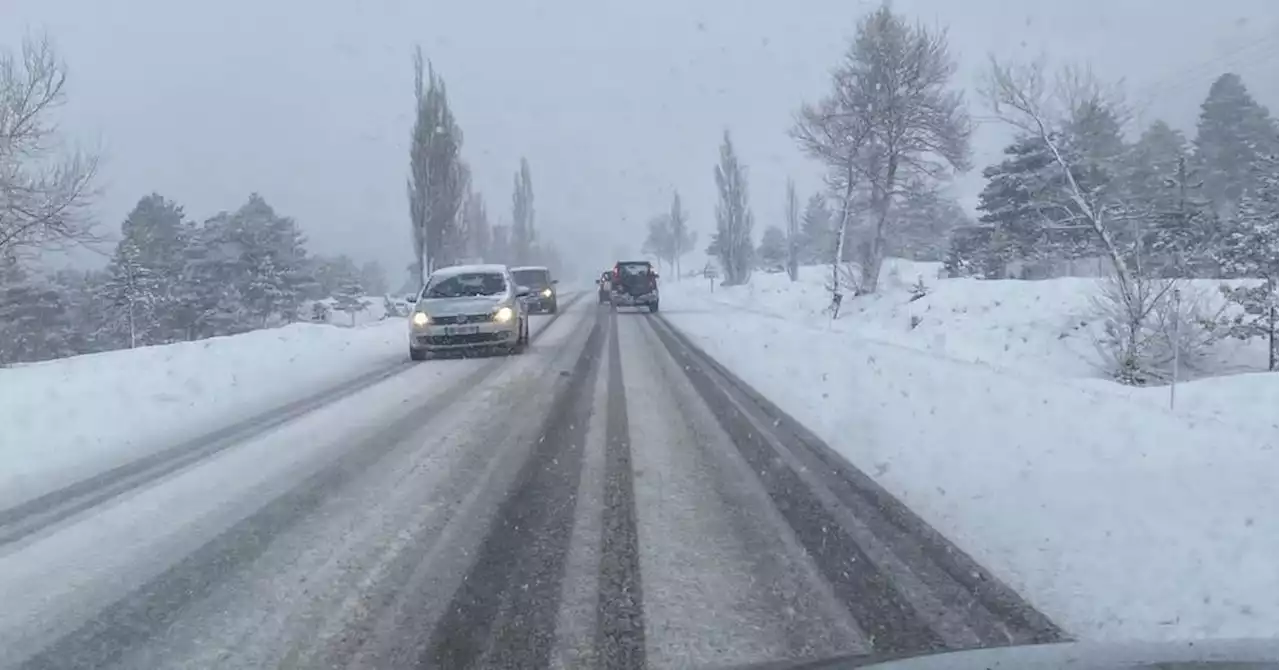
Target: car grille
(473,338)
(459,319)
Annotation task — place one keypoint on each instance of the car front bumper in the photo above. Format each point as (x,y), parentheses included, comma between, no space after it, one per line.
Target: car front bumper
(468,336)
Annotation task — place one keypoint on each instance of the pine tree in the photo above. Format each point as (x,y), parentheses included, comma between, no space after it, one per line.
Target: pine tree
(1233,132)
(1157,157)
(134,290)
(350,298)
(1182,229)
(1018,202)
(1093,145)
(923,225)
(331,272)
(82,292)
(1250,251)
(215,277)
(266,258)
(35,324)
(773,249)
(149,258)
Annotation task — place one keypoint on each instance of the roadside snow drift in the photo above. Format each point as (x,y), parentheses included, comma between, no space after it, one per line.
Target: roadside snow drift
(1118,517)
(66,419)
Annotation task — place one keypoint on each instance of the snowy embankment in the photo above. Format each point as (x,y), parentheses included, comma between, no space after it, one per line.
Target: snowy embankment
(67,419)
(1117,516)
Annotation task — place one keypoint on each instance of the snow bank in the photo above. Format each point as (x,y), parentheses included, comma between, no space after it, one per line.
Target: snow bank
(1024,328)
(1116,516)
(65,419)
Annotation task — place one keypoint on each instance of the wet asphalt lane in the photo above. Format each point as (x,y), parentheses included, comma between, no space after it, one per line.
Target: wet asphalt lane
(609,499)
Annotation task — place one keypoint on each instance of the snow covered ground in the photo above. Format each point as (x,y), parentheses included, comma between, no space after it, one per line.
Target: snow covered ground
(1118,517)
(66,419)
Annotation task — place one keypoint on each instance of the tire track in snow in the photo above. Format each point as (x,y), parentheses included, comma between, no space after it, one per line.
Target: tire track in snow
(154,606)
(909,587)
(620,624)
(726,582)
(867,592)
(504,614)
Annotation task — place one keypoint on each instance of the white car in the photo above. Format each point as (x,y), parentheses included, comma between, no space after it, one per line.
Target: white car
(469,307)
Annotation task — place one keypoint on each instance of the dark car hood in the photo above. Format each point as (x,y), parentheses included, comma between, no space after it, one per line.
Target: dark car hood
(1236,654)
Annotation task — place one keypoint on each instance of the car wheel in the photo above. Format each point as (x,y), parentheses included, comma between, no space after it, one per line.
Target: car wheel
(653,307)
(522,340)
(418,354)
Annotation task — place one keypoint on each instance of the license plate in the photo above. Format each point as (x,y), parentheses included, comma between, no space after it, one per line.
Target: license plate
(461,330)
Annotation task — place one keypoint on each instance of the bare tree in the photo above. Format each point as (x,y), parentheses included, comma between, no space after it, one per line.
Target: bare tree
(523,235)
(437,177)
(682,239)
(734,220)
(889,123)
(793,232)
(44,191)
(835,131)
(660,241)
(919,129)
(1137,305)
(1021,96)
(479,232)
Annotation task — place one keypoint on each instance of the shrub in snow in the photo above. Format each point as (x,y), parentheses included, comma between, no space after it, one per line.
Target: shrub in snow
(918,289)
(1149,323)
(350,299)
(1256,317)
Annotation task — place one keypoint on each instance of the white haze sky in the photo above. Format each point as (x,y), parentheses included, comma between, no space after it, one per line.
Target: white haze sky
(615,103)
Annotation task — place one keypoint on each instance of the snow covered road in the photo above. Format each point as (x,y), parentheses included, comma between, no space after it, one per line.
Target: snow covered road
(611,498)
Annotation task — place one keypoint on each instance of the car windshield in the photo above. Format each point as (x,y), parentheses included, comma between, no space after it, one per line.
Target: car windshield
(465,285)
(532,278)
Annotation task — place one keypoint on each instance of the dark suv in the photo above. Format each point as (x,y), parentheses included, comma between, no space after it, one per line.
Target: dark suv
(542,288)
(634,284)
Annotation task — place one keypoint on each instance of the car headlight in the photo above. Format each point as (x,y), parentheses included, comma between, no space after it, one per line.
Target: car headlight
(420,319)
(503,314)
(546,293)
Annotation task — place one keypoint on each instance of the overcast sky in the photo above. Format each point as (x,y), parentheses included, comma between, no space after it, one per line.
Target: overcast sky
(615,103)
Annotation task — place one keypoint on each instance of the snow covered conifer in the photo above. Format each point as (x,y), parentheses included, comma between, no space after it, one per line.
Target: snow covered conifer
(1232,132)
(350,298)
(773,249)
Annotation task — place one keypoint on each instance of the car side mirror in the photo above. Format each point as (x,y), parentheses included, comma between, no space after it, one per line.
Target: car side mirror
(522,292)
(555,281)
